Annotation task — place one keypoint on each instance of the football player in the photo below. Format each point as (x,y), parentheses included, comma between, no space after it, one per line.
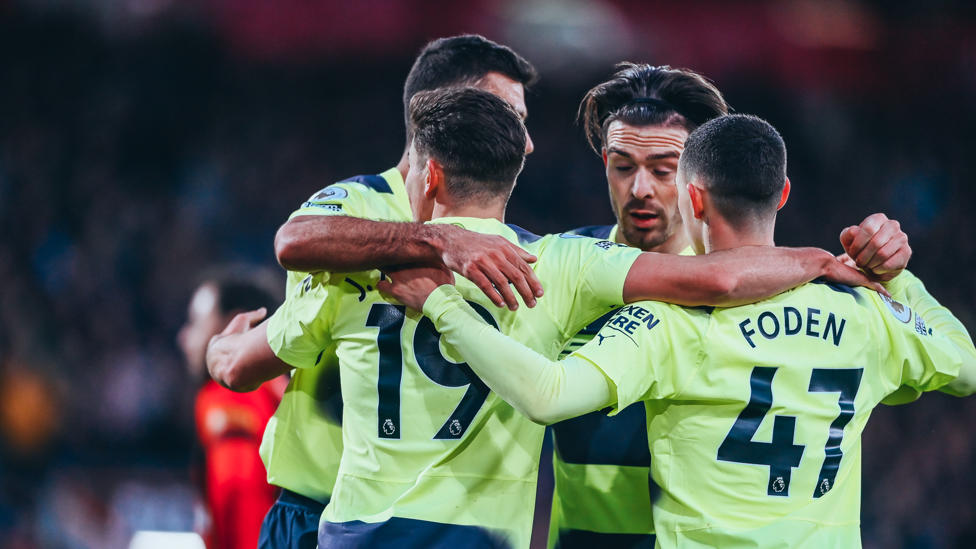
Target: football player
(755,412)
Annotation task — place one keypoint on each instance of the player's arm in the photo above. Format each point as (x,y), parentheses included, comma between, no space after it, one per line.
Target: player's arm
(908,289)
(240,358)
(733,277)
(750,274)
(543,390)
(294,337)
(339,243)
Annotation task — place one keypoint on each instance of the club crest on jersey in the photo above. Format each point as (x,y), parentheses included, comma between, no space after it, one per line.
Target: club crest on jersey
(901,312)
(329,193)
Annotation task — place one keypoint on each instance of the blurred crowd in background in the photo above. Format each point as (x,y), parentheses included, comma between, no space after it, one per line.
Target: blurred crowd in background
(143,141)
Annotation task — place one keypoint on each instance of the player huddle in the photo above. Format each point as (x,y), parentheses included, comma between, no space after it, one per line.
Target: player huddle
(735,376)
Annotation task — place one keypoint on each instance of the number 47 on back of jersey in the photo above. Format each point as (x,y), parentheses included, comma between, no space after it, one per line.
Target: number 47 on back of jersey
(781,455)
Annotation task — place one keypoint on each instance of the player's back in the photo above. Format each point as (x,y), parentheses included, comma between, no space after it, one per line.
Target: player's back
(302,445)
(432,458)
(757,411)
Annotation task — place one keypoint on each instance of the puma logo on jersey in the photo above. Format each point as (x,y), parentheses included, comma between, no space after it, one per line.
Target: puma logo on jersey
(362,292)
(602,337)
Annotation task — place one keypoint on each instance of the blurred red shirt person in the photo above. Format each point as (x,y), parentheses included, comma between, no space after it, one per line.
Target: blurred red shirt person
(230,425)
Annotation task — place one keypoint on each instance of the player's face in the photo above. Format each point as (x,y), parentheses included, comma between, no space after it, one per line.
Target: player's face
(421,207)
(203,322)
(641,166)
(511,91)
(692,227)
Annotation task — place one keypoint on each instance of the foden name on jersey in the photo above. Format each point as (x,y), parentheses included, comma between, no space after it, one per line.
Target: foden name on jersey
(790,321)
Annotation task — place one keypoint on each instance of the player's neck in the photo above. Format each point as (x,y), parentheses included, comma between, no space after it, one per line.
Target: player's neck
(678,243)
(720,235)
(403,165)
(478,211)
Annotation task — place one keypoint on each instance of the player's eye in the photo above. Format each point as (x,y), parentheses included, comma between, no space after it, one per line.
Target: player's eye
(663,173)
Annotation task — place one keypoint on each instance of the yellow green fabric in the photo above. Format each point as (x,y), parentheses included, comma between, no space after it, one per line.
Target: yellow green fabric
(423,438)
(302,443)
(608,494)
(755,412)
(824,356)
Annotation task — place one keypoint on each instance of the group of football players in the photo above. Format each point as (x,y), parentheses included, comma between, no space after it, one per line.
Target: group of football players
(415,411)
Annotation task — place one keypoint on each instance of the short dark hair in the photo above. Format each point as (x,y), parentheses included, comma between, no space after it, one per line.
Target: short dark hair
(245,288)
(462,61)
(741,161)
(678,97)
(474,135)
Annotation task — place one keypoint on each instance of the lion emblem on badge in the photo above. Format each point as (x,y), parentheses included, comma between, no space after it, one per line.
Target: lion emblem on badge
(329,193)
(901,312)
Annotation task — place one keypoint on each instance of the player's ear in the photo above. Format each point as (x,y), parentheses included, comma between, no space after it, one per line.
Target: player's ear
(603,153)
(786,194)
(434,179)
(697,201)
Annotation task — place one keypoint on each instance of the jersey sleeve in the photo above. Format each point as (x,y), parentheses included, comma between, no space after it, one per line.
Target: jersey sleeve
(648,350)
(380,197)
(347,199)
(923,357)
(586,280)
(301,328)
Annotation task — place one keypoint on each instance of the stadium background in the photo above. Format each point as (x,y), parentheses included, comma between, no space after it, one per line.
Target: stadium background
(144,140)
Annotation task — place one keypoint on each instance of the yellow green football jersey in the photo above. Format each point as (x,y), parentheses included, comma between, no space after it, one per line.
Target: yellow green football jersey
(431,457)
(302,443)
(755,413)
(601,464)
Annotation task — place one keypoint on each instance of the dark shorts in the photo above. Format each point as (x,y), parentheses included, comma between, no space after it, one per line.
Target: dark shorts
(291,523)
(402,533)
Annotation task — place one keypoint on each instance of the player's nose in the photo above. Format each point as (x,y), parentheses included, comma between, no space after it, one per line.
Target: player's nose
(643,185)
(529,145)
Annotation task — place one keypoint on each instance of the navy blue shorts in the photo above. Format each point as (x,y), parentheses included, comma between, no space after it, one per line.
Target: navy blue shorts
(403,533)
(291,523)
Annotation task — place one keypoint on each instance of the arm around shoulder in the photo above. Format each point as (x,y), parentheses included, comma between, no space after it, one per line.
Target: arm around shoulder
(733,277)
(543,390)
(339,243)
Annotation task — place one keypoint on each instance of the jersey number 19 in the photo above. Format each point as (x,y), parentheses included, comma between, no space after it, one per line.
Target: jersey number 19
(426,347)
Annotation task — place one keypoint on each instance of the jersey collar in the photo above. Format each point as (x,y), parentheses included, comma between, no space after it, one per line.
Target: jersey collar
(397,185)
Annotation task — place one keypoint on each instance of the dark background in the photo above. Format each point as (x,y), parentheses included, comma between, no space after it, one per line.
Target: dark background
(142,141)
